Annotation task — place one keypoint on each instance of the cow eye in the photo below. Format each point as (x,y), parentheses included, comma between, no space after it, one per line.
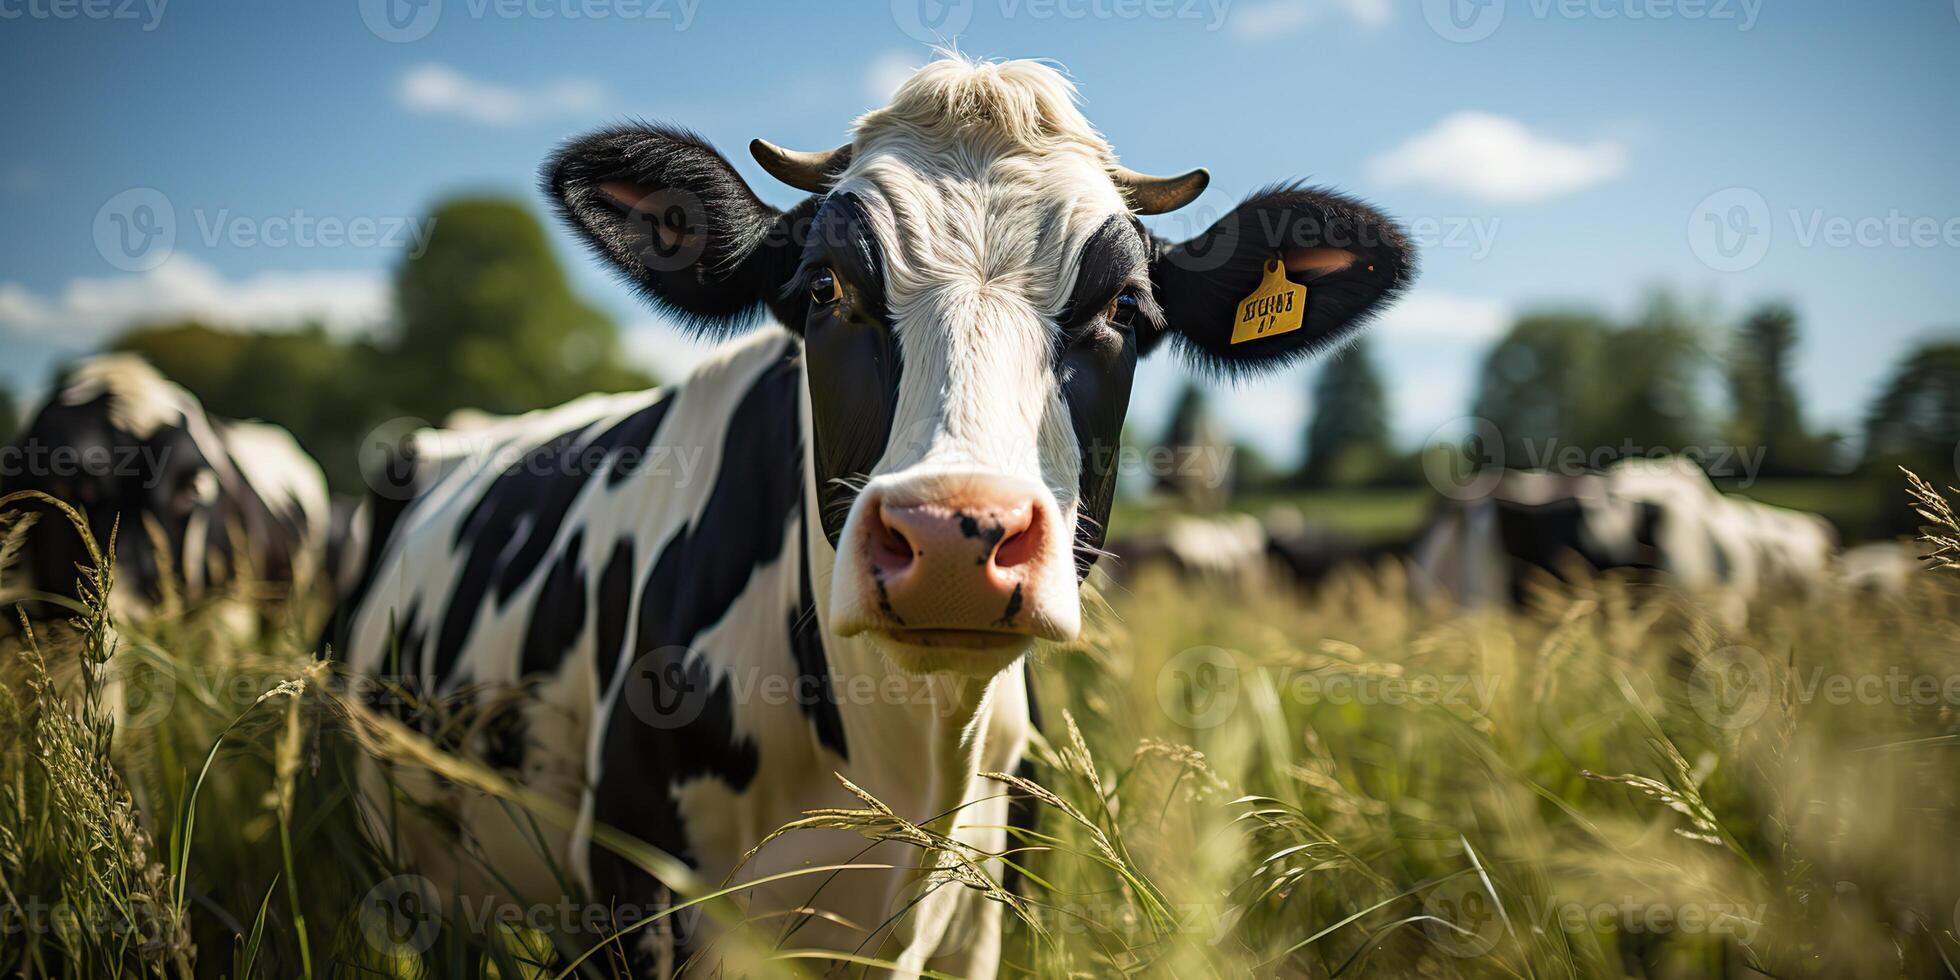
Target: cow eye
(1122,311)
(825,287)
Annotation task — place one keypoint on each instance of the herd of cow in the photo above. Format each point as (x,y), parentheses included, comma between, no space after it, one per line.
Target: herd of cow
(898,486)
(1654,520)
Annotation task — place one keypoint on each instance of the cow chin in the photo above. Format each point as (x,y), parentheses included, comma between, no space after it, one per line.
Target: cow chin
(969,653)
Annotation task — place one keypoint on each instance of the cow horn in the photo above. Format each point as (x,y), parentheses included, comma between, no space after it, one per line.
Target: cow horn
(805,170)
(1156,195)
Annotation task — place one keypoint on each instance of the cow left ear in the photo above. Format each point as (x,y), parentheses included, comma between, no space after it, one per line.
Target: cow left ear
(1351,260)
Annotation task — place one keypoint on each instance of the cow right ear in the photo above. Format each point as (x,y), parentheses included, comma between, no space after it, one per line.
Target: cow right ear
(678,223)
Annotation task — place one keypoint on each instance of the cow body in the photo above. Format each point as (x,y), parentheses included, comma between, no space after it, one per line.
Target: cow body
(1656,517)
(201,503)
(827,552)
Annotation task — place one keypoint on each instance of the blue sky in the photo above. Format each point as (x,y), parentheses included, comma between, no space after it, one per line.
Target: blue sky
(1551,152)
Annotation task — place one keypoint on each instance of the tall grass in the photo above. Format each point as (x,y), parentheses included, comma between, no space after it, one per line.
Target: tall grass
(1232,782)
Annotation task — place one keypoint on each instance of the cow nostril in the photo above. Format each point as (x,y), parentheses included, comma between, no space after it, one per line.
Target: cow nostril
(1022,546)
(889,545)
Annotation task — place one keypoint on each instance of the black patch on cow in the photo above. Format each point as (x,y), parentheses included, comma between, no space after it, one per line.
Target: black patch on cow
(853,360)
(988,535)
(1097,368)
(558,614)
(673,719)
(613,602)
(508,533)
(1006,620)
(819,700)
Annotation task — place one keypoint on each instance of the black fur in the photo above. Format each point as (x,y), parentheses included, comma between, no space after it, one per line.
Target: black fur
(1201,282)
(746,251)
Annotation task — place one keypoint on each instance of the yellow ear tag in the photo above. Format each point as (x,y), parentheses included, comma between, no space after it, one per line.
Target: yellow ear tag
(1278,306)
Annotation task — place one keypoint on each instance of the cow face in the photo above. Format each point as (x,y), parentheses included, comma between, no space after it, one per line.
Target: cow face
(973,290)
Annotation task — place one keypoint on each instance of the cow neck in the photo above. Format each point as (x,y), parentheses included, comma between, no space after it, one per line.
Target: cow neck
(917,753)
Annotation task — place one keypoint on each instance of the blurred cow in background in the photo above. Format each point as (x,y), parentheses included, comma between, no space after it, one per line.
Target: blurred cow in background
(1661,516)
(200,503)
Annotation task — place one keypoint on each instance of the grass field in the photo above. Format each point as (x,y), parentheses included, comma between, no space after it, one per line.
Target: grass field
(1605,784)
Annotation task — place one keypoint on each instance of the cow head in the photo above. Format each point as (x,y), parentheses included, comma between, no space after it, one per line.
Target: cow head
(121,444)
(973,290)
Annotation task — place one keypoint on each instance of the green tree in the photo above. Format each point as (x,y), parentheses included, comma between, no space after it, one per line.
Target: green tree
(1652,375)
(488,320)
(1347,435)
(9,414)
(1540,385)
(1767,412)
(1198,450)
(1914,422)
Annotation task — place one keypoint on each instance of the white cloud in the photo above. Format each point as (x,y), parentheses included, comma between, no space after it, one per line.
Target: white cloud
(89,310)
(886,73)
(1426,315)
(1278,18)
(1495,158)
(442,90)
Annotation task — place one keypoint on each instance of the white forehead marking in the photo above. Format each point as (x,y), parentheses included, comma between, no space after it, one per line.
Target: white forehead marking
(982,182)
(982,177)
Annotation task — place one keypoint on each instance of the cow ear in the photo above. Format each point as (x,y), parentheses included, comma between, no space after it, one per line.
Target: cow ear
(678,223)
(1350,258)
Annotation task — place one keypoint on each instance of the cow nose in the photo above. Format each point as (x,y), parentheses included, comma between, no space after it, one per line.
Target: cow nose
(964,566)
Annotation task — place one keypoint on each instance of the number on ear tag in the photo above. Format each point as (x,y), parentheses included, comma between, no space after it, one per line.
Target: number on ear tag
(1278,306)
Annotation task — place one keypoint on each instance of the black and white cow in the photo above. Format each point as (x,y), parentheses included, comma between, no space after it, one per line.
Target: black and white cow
(1660,517)
(823,552)
(199,500)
